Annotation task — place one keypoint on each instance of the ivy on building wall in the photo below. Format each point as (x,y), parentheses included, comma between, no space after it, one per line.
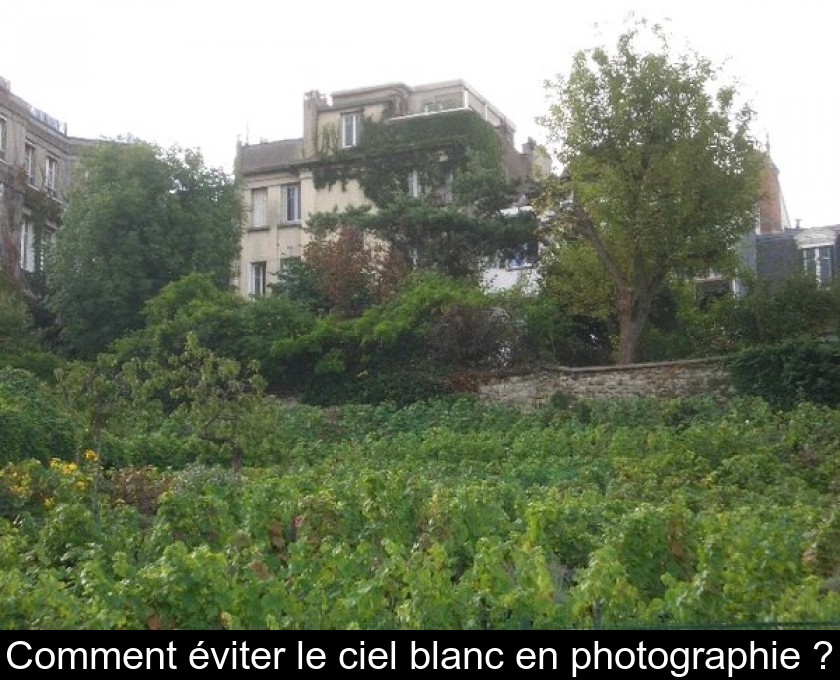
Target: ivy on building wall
(328,139)
(22,202)
(43,211)
(435,146)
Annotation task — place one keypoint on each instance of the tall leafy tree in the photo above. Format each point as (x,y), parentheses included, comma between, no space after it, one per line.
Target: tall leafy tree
(138,217)
(661,174)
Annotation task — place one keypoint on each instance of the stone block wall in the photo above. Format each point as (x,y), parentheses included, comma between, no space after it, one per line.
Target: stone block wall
(667,379)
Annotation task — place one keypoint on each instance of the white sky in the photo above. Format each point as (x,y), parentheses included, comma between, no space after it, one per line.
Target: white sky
(201,74)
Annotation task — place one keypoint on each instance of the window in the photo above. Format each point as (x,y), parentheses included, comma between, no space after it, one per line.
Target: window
(291,203)
(27,246)
(415,188)
(29,163)
(819,262)
(256,280)
(442,104)
(350,127)
(446,194)
(51,176)
(259,208)
(2,139)
(442,193)
(524,257)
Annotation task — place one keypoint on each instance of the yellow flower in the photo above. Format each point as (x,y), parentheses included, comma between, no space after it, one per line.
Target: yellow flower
(62,467)
(49,503)
(90,456)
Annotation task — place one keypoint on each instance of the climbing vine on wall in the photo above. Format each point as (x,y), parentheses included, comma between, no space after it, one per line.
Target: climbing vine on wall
(390,150)
(328,139)
(43,211)
(24,201)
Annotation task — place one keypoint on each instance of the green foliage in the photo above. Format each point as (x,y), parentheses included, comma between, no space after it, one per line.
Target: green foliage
(456,224)
(18,340)
(792,372)
(194,401)
(554,333)
(15,318)
(299,281)
(402,349)
(449,514)
(38,362)
(572,274)
(689,320)
(388,151)
(425,299)
(401,387)
(662,168)
(265,322)
(221,321)
(32,423)
(798,309)
(138,218)
(193,304)
(446,238)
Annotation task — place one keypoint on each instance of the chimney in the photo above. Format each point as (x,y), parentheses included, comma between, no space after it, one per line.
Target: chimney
(313,101)
(528,147)
(770,203)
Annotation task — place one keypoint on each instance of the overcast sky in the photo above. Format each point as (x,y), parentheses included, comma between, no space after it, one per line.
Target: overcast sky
(202,74)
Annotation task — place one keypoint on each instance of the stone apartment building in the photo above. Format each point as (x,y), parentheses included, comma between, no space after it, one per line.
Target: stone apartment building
(36,163)
(280,178)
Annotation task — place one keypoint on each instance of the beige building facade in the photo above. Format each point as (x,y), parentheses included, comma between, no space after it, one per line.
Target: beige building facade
(279,184)
(36,165)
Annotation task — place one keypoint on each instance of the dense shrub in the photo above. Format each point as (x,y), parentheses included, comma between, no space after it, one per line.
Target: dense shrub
(554,333)
(40,363)
(798,309)
(402,350)
(792,372)
(32,424)
(15,319)
(400,386)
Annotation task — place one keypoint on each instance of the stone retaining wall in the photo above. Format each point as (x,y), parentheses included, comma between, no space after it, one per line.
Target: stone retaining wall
(691,377)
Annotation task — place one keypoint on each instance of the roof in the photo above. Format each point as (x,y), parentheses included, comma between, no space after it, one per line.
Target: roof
(268,156)
(816,236)
(369,88)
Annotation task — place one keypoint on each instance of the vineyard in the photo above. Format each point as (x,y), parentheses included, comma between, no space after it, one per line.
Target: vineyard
(446,514)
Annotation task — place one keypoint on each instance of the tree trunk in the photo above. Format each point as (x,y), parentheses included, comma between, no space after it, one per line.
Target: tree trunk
(236,459)
(633,311)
